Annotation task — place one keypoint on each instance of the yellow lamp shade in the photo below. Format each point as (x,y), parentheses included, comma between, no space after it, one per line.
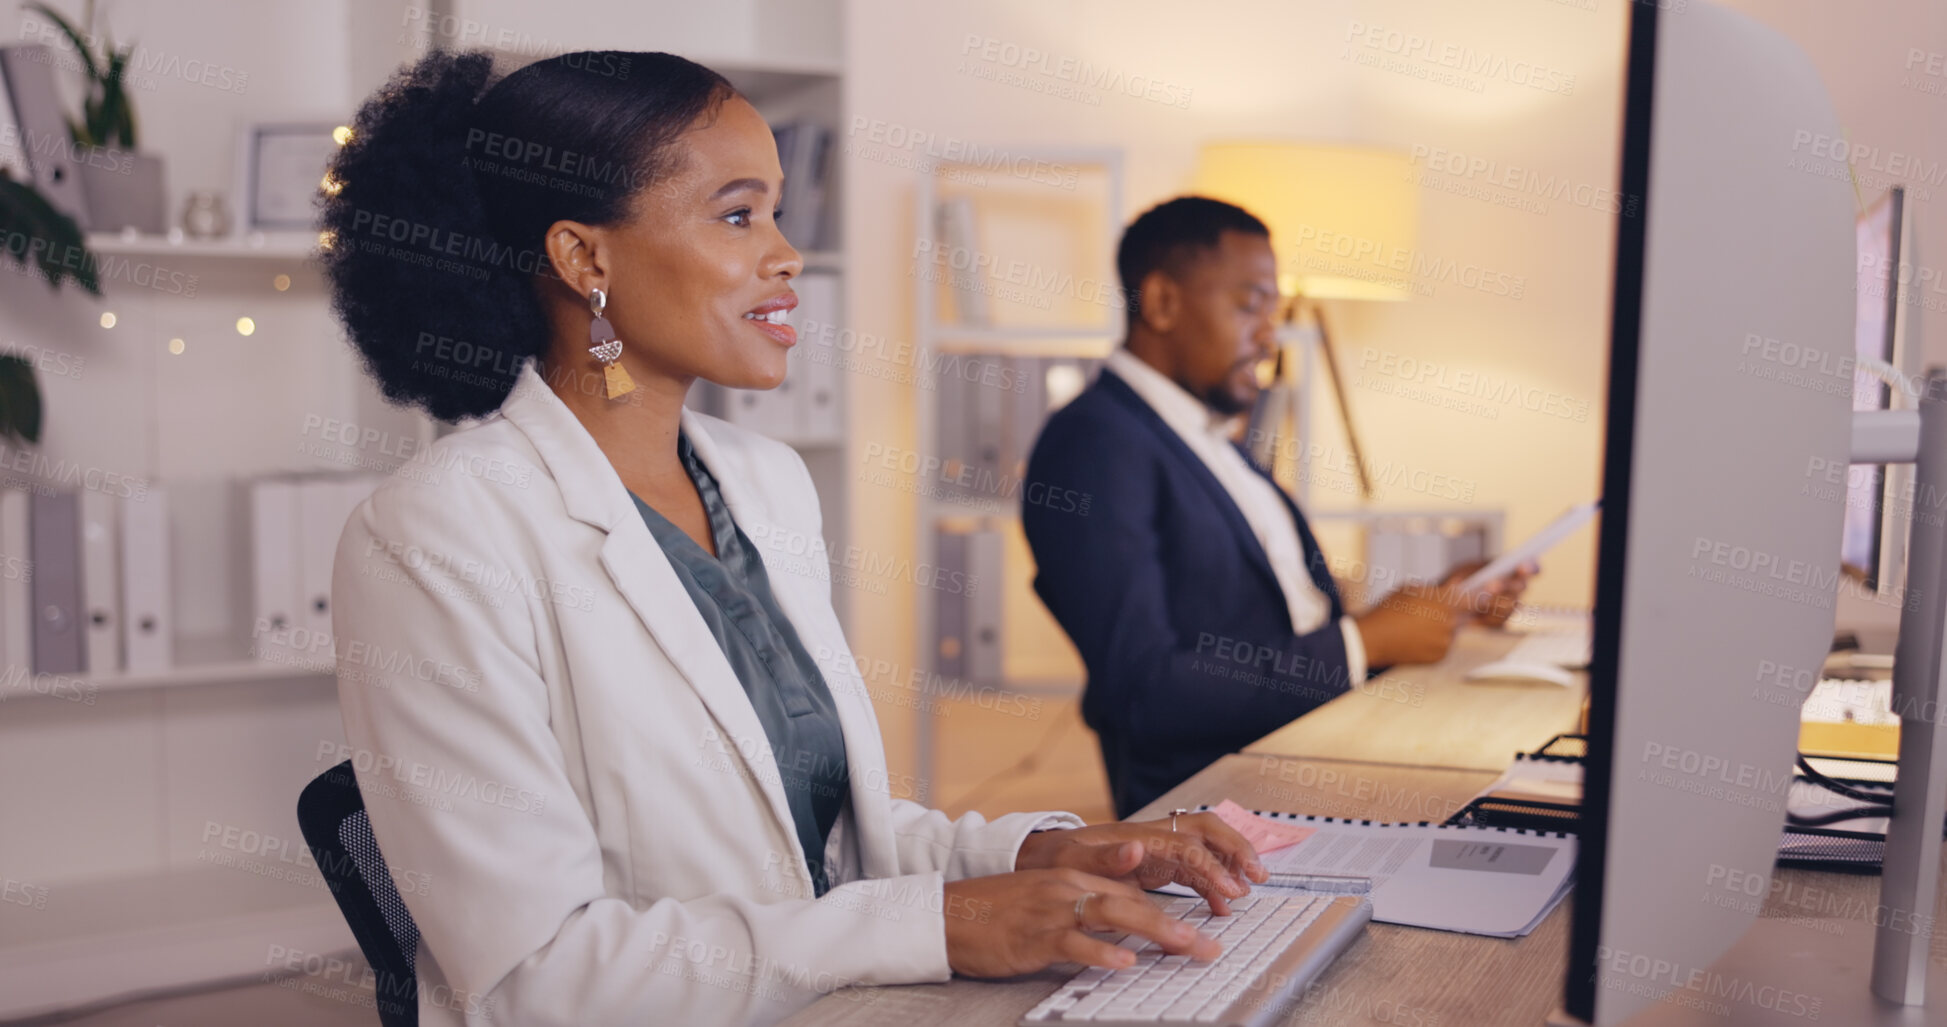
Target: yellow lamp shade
(1343,219)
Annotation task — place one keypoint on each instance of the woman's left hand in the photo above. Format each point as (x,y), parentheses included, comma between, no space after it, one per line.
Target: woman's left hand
(1203,853)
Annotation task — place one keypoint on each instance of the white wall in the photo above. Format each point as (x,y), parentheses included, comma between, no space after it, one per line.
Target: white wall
(126,782)
(1875,59)
(117,783)
(1282,70)
(1306,71)
(1249,67)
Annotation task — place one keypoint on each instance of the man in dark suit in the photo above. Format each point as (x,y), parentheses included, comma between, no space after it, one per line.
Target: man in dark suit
(1200,602)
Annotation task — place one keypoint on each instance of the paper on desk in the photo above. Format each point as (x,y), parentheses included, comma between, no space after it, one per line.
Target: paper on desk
(1538,781)
(1263,834)
(1467,879)
(1531,550)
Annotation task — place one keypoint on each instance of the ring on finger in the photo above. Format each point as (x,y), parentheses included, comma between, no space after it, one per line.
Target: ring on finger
(1174,814)
(1081,905)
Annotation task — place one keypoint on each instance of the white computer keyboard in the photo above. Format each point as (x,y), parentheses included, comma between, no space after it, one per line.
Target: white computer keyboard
(1274,945)
(1553,648)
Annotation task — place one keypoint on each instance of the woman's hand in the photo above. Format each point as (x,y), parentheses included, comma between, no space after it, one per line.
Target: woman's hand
(1203,853)
(1018,923)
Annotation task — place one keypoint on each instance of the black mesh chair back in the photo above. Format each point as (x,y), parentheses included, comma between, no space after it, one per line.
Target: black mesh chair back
(331,813)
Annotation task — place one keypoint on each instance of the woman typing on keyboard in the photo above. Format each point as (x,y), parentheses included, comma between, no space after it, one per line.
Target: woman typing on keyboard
(597,695)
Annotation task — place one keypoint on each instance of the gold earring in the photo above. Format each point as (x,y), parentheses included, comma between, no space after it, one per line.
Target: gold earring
(607,348)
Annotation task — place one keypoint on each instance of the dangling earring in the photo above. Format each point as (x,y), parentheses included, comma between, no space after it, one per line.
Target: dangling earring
(607,348)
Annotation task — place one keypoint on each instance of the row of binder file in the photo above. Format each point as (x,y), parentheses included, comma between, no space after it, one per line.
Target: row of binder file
(295,522)
(86,585)
(83,581)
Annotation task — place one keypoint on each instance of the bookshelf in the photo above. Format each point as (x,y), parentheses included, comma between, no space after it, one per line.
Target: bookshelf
(121,774)
(279,247)
(1061,318)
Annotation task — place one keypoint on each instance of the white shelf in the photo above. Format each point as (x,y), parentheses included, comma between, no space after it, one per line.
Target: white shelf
(213,673)
(1092,343)
(1363,514)
(205,661)
(767,80)
(103,941)
(936,335)
(269,246)
(1058,687)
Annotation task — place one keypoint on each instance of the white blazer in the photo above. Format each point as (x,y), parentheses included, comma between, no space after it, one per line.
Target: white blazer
(559,761)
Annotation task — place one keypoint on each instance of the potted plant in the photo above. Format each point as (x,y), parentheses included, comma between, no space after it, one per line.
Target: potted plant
(26,214)
(123,188)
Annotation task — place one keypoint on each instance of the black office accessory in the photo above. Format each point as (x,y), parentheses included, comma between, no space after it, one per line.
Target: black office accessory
(1807,842)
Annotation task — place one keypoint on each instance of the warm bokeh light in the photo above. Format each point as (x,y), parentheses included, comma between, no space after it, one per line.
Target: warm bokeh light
(341,135)
(281,283)
(1343,219)
(176,346)
(108,319)
(245,326)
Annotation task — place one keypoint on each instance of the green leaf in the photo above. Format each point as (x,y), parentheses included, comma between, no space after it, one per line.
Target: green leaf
(116,117)
(20,400)
(35,231)
(80,44)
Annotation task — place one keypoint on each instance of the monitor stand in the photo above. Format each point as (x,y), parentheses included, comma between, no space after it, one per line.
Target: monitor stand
(1910,877)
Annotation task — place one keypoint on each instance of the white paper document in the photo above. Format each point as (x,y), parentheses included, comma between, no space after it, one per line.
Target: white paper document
(1538,780)
(1474,880)
(1529,551)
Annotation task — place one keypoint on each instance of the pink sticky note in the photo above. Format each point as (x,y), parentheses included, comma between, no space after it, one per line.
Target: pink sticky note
(1264,835)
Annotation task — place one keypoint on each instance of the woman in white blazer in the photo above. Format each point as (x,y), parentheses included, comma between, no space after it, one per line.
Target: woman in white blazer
(598,699)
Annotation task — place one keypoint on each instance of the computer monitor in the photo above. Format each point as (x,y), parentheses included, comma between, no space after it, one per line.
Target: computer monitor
(1872,541)
(1718,556)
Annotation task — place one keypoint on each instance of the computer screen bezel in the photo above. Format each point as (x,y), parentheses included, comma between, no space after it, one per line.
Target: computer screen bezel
(1870,494)
(1579,989)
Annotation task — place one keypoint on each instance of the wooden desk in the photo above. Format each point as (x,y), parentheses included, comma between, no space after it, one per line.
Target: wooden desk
(1427,716)
(1384,978)
(1814,933)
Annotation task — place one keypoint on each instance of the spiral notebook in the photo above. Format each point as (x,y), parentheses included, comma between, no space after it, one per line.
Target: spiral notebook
(1492,881)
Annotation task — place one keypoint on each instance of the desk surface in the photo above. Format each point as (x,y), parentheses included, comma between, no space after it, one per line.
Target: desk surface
(1387,977)
(1428,716)
(1461,736)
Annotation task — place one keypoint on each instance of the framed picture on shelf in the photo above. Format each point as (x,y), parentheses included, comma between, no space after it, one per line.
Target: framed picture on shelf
(279,169)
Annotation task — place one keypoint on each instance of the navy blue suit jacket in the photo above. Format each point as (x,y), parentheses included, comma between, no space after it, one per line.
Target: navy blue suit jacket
(1154,573)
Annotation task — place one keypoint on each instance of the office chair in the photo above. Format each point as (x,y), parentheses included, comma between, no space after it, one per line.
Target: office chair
(331,814)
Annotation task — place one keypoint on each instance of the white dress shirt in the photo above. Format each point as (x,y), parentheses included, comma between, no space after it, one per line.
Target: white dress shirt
(1207,434)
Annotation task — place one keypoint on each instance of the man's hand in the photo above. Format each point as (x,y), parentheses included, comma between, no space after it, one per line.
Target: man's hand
(1494,604)
(1203,853)
(1412,625)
